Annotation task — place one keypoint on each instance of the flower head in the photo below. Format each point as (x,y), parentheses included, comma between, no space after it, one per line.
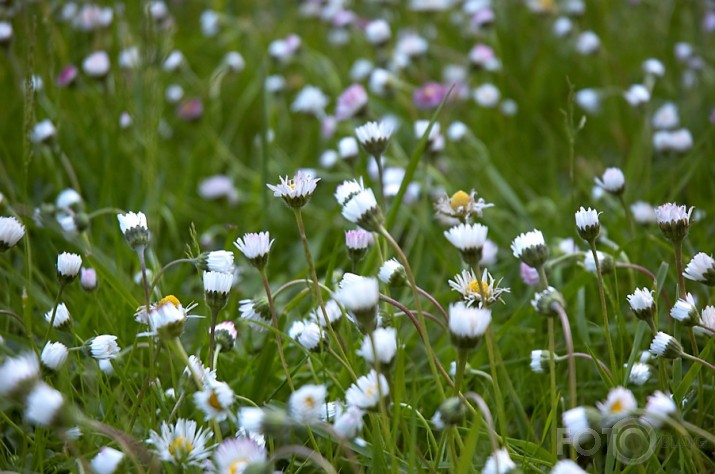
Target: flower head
(473,290)
(469,240)
(226,335)
(381,344)
(296,191)
(214,400)
(666,346)
(256,310)
(306,333)
(545,302)
(619,404)
(88,279)
(642,303)
(357,242)
(580,422)
(306,403)
(18,374)
(530,248)
(349,423)
(360,296)
(235,455)
(461,205)
(392,273)
(467,325)
(43,405)
(612,181)
(107,461)
(103,347)
(68,265)
(374,137)
(332,311)
(685,311)
(540,360)
(587,224)
(362,209)
(167,318)
(310,100)
(450,413)
(62,316)
(217,285)
(659,407)
(351,102)
(183,443)
(605,261)
(54,355)
(567,466)
(366,392)
(701,268)
(134,228)
(499,463)
(11,231)
(673,220)
(640,373)
(216,261)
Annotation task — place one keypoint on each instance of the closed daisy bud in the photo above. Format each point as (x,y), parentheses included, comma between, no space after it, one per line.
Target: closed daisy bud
(306,333)
(701,268)
(707,319)
(349,423)
(673,220)
(666,346)
(540,360)
(43,405)
(658,408)
(567,466)
(360,296)
(605,260)
(214,400)
(362,209)
(582,424)
(347,189)
(240,455)
(374,137)
(18,375)
(685,311)
(612,181)
(529,275)
(54,355)
(642,303)
(499,463)
(450,413)
(11,231)
(226,335)
(392,273)
(103,347)
(530,248)
(62,316)
(134,228)
(545,301)
(587,224)
(333,312)
(255,247)
(469,240)
(217,285)
(295,192)
(467,325)
(640,373)
(366,392)
(107,461)
(385,347)
(357,242)
(256,310)
(619,404)
(68,265)
(216,261)
(183,443)
(88,279)
(306,403)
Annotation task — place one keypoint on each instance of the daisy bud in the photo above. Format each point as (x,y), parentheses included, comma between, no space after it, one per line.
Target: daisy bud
(18,375)
(642,303)
(68,265)
(582,424)
(450,413)
(658,408)
(605,260)
(62,316)
(216,261)
(530,248)
(362,209)
(306,404)
(367,391)
(348,148)
(11,231)
(226,335)
(587,224)
(540,360)
(378,32)
(685,311)
(357,241)
(374,137)
(348,189)
(88,279)
(256,310)
(545,301)
(360,296)
(306,333)
(666,346)
(217,285)
(640,373)
(295,192)
(381,344)
(701,268)
(567,466)
(619,404)
(673,220)
(349,423)
(469,240)
(255,247)
(43,406)
(103,347)
(392,273)
(707,319)
(529,275)
(467,325)
(107,461)
(134,228)
(54,355)
(612,181)
(500,463)
(333,312)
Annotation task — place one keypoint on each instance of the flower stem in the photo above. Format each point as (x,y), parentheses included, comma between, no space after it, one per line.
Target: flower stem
(552,384)
(380,178)
(179,349)
(570,350)
(212,337)
(461,365)
(274,322)
(604,310)
(707,364)
(413,284)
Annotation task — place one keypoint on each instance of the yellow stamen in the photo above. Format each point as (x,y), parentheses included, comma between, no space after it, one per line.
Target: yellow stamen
(310,402)
(169,299)
(180,447)
(473,288)
(617,407)
(237,466)
(460,200)
(213,401)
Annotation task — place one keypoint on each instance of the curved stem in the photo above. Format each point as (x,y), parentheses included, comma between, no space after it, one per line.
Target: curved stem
(649,274)
(604,309)
(274,322)
(104,210)
(307,453)
(488,419)
(160,273)
(570,350)
(305,281)
(707,364)
(552,384)
(435,303)
(603,366)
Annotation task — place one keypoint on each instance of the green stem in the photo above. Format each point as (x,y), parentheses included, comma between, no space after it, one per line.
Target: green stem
(274,322)
(570,350)
(380,178)
(707,364)
(498,398)
(212,336)
(461,365)
(552,385)
(179,349)
(604,311)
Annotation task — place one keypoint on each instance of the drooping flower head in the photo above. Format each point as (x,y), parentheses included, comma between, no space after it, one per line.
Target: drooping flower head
(307,333)
(380,345)
(530,248)
(103,347)
(467,325)
(666,346)
(469,239)
(18,375)
(685,311)
(392,273)
(255,310)
(642,303)
(43,406)
(296,191)
(701,268)
(216,261)
(360,206)
(226,335)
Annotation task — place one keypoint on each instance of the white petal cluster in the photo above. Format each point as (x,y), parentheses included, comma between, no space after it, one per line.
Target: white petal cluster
(306,333)
(385,342)
(220,261)
(671,213)
(641,299)
(68,264)
(234,455)
(619,404)
(467,236)
(527,240)
(183,443)
(468,322)
(499,463)
(306,404)
(373,132)
(302,185)
(42,404)
(358,293)
(612,180)
(359,205)
(131,220)
(586,218)
(347,189)
(214,400)
(107,461)
(366,392)
(658,407)
(62,315)
(17,370)
(11,231)
(54,355)
(218,282)
(700,265)
(104,347)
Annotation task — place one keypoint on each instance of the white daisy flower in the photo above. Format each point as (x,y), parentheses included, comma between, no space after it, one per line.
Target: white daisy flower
(658,407)
(472,289)
(362,209)
(255,311)
(183,443)
(347,189)
(133,226)
(107,461)
(218,282)
(587,223)
(374,137)
(469,239)
(612,181)
(214,400)
(11,231)
(333,311)
(360,296)
(43,132)
(104,347)
(255,247)
(642,303)
(216,261)
(605,261)
(673,220)
(366,392)
(306,404)
(685,311)
(567,466)
(577,423)
(348,148)
(377,32)
(530,248)
(701,268)
(68,265)
(467,324)
(619,404)
(18,373)
(385,341)
(640,373)
(43,404)
(296,191)
(392,273)
(306,333)
(54,355)
(540,361)
(707,319)
(349,423)
(62,315)
(499,463)
(235,455)
(665,345)
(167,318)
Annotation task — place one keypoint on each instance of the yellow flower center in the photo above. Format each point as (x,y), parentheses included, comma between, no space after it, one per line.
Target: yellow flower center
(237,466)
(459,200)
(617,407)
(473,288)
(180,447)
(548,5)
(213,401)
(169,299)
(310,402)
(370,390)
(291,185)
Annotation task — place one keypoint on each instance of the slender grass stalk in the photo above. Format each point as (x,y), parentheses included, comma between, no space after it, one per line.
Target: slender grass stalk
(463,355)
(604,310)
(274,322)
(212,336)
